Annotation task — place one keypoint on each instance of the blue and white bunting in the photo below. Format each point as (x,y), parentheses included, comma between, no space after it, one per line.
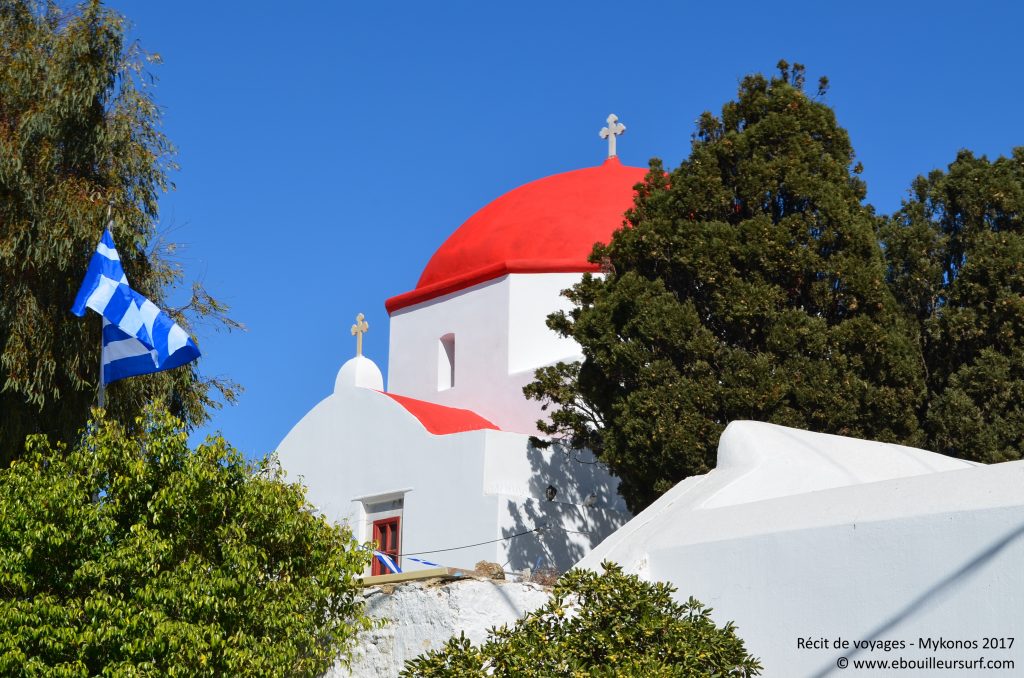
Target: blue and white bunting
(425,562)
(138,337)
(387,562)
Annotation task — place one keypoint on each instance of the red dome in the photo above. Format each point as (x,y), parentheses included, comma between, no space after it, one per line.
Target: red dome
(547,226)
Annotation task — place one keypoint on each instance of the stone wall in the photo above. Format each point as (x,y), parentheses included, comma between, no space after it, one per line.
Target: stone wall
(422,615)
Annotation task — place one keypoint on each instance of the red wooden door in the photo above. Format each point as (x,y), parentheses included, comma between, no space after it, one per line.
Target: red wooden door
(386,540)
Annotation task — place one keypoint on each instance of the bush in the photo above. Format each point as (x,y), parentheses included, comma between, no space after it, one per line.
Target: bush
(138,556)
(610,624)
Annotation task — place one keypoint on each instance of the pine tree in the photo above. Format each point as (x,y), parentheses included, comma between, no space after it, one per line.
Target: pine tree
(748,284)
(956,260)
(79,139)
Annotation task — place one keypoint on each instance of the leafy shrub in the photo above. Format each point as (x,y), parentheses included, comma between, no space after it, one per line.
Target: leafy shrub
(612,624)
(138,556)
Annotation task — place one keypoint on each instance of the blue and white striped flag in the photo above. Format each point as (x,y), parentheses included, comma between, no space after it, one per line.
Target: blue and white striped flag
(138,338)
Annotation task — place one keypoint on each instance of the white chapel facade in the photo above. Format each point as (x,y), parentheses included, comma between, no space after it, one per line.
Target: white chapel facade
(438,467)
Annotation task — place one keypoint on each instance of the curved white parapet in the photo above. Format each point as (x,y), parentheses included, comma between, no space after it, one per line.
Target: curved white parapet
(765,461)
(804,535)
(759,462)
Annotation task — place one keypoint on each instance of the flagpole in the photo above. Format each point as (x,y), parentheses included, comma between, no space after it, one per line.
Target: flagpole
(101,392)
(102,388)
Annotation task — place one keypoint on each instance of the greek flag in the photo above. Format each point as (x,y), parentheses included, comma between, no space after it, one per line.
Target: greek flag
(138,338)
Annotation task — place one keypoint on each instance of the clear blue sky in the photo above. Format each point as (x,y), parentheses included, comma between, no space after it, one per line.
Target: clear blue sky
(328,148)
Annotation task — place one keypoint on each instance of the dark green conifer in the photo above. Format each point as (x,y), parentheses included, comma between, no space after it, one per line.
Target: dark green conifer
(748,284)
(956,260)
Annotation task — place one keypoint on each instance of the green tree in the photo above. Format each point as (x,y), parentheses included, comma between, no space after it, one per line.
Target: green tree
(748,284)
(956,261)
(133,555)
(79,134)
(610,624)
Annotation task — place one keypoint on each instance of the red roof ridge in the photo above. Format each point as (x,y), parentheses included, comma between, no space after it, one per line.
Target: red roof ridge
(482,275)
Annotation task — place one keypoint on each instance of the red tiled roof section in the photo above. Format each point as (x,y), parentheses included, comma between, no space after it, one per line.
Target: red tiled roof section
(441,420)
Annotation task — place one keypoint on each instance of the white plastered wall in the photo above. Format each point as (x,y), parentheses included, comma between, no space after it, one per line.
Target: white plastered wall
(465,488)
(500,340)
(586,508)
(532,344)
(800,535)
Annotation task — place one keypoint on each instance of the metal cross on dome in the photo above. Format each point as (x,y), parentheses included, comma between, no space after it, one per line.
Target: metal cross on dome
(613,129)
(358,330)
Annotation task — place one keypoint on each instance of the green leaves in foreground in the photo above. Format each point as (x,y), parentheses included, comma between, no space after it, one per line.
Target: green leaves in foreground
(138,556)
(612,624)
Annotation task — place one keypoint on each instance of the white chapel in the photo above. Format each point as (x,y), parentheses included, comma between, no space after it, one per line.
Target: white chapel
(826,551)
(452,478)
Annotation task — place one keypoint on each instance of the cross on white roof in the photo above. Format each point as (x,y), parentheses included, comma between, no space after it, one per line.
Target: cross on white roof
(358,330)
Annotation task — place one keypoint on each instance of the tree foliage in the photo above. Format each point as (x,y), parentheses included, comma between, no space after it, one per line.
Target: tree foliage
(956,261)
(612,624)
(748,284)
(134,555)
(79,134)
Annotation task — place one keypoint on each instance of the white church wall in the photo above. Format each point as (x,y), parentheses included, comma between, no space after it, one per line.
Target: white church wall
(575,474)
(936,550)
(563,532)
(359,444)
(532,298)
(476,320)
(585,510)
(359,450)
(499,340)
